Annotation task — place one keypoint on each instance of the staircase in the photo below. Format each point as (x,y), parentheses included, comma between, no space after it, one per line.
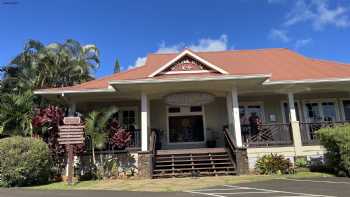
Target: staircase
(193,163)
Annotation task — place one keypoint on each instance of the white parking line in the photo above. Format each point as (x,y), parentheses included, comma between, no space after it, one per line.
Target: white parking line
(285,192)
(233,190)
(314,181)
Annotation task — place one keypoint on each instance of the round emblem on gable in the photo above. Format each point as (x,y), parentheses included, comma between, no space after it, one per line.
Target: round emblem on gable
(189,99)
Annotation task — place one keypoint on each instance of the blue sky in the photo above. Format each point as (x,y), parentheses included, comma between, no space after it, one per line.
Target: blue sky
(130,29)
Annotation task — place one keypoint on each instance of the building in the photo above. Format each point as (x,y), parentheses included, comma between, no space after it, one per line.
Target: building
(272,100)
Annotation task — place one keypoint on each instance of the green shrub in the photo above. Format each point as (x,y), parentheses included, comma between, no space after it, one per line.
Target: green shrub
(337,142)
(24,161)
(273,164)
(301,163)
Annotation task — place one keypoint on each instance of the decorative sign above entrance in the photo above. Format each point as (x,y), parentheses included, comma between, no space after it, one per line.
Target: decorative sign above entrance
(189,99)
(187,64)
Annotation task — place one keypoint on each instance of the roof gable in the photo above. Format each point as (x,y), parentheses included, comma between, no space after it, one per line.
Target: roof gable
(187,62)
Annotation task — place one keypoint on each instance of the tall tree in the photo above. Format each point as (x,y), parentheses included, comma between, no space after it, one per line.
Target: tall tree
(116,66)
(55,65)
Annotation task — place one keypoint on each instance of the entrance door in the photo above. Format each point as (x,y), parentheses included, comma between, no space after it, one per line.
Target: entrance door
(186,124)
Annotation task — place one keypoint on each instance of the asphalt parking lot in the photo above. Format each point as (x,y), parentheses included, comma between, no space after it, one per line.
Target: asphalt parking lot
(320,187)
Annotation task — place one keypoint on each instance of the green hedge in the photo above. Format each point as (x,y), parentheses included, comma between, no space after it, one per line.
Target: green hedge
(24,161)
(337,142)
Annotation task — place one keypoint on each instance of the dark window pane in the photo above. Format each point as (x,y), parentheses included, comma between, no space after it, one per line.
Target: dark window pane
(186,129)
(174,110)
(346,104)
(196,109)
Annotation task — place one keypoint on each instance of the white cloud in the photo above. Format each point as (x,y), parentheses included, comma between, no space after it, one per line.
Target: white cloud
(318,13)
(302,43)
(204,44)
(280,35)
(163,48)
(208,44)
(140,61)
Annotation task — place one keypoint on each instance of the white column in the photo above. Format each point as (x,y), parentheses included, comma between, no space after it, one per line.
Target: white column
(236,118)
(229,111)
(292,112)
(298,145)
(144,122)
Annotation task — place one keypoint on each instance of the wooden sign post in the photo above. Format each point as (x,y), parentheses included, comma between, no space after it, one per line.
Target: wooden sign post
(71,133)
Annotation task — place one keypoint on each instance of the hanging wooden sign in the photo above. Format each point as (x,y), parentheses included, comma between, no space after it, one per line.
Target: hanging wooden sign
(71,133)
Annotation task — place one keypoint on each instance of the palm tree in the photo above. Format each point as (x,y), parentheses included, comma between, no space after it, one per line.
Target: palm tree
(95,127)
(16,111)
(55,65)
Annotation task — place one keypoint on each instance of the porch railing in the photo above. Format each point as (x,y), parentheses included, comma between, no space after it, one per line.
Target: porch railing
(262,135)
(308,131)
(135,140)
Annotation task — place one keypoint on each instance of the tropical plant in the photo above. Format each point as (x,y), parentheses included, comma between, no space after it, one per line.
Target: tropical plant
(16,111)
(45,123)
(55,65)
(337,142)
(273,164)
(24,161)
(96,124)
(120,138)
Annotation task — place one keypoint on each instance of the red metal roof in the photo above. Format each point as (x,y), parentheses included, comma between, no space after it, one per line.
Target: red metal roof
(281,64)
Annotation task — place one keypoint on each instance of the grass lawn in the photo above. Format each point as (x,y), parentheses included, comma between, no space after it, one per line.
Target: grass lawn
(167,185)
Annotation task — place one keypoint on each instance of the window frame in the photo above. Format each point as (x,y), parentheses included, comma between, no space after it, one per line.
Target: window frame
(319,103)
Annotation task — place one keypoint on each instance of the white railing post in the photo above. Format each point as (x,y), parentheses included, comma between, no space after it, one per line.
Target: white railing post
(144,122)
(236,118)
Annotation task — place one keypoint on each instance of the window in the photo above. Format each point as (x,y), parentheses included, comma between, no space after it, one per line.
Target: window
(346,108)
(250,109)
(324,110)
(174,109)
(129,118)
(196,109)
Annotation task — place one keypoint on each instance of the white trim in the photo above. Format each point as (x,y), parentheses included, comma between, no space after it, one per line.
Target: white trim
(188,79)
(186,72)
(186,113)
(43,92)
(284,118)
(306,81)
(187,52)
(319,102)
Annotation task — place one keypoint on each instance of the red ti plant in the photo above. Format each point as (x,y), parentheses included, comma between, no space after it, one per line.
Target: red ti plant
(45,123)
(120,138)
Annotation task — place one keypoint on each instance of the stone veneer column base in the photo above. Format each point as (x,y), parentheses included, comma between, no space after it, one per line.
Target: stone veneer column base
(242,161)
(145,164)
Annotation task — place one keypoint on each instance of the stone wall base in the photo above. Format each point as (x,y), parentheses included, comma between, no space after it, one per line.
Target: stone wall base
(145,164)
